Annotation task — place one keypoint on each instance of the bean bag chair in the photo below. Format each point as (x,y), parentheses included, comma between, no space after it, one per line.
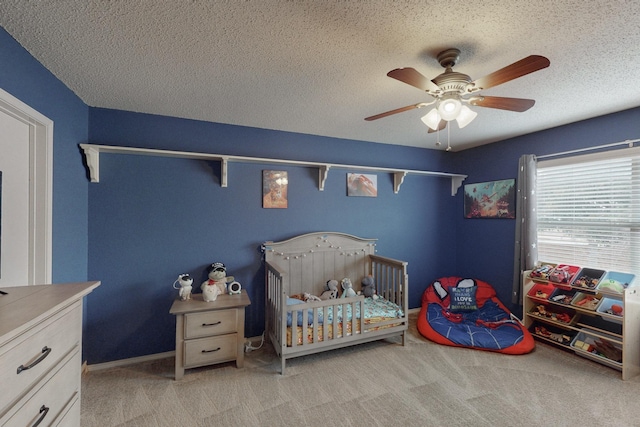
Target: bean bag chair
(467,313)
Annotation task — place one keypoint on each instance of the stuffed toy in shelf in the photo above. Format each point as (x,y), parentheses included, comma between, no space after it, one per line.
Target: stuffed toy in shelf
(217,279)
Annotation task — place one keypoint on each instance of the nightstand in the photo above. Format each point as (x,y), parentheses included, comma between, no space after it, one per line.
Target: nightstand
(209,332)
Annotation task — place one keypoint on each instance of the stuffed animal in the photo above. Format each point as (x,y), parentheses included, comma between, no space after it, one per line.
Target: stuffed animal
(184,281)
(368,288)
(210,292)
(347,288)
(331,290)
(307,297)
(217,278)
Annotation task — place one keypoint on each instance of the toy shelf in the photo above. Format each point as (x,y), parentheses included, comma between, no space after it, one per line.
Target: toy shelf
(622,332)
(92,154)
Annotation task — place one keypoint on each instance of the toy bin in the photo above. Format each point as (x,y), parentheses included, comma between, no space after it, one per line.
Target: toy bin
(542,271)
(563,274)
(541,291)
(588,278)
(562,296)
(551,333)
(598,346)
(554,314)
(586,301)
(616,282)
(613,309)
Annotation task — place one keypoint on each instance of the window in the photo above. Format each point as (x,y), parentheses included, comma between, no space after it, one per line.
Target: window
(589,210)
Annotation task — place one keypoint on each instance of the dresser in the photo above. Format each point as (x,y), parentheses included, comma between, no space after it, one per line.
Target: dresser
(41,354)
(209,332)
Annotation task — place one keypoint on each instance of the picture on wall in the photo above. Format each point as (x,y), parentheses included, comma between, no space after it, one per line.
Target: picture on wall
(274,189)
(362,185)
(495,199)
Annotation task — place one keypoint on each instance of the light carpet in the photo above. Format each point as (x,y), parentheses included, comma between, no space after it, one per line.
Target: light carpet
(374,384)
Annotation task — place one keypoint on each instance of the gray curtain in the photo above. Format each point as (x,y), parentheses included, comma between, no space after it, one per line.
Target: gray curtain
(525,254)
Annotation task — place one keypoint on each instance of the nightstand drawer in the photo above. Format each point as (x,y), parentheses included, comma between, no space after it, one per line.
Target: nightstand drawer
(209,323)
(204,351)
(24,360)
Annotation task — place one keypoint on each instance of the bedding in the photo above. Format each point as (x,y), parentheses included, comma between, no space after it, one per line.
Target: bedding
(489,326)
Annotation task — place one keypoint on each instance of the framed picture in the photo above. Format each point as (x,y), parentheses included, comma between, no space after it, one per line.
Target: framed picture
(362,185)
(274,189)
(494,199)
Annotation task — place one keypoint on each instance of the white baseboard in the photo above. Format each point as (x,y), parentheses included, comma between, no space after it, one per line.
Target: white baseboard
(125,362)
(413,310)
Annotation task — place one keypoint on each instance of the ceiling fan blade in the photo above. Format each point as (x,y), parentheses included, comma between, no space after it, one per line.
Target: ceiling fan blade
(412,77)
(396,111)
(511,104)
(510,72)
(441,125)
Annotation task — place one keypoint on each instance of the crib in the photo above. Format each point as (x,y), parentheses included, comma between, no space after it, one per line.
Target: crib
(304,264)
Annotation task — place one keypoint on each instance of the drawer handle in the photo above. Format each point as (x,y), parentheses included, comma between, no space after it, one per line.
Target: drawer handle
(44,411)
(45,352)
(212,324)
(211,351)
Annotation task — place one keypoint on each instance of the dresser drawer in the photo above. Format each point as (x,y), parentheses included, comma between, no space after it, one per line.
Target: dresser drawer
(38,350)
(208,323)
(51,398)
(205,351)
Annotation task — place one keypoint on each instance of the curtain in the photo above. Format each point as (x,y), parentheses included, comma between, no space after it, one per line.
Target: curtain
(526,247)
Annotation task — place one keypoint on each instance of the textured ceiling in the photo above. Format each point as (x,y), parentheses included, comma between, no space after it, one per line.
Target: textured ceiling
(319,67)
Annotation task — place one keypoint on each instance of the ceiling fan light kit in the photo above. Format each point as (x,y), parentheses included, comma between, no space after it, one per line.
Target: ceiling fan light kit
(450,88)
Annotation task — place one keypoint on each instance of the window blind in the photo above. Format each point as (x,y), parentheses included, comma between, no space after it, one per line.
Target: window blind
(589,210)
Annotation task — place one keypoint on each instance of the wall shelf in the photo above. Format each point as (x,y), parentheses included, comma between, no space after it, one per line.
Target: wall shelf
(92,154)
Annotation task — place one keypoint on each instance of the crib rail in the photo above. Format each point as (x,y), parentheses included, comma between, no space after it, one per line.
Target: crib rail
(391,279)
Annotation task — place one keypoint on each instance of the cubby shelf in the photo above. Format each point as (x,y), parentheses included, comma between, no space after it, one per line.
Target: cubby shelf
(92,155)
(623,333)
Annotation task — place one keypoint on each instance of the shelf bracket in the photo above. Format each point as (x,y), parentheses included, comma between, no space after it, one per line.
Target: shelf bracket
(93,161)
(323,173)
(224,169)
(456,182)
(398,179)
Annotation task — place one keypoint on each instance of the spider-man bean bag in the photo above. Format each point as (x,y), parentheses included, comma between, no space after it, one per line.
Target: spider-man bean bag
(467,313)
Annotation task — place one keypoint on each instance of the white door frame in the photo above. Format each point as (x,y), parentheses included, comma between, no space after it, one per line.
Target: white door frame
(40,185)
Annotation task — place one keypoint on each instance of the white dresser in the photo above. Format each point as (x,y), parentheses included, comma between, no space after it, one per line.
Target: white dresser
(40,354)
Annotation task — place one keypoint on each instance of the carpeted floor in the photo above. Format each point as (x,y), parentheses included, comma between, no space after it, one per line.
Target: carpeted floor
(375,384)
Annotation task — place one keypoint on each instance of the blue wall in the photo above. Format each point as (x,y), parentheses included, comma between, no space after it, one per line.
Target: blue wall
(150,219)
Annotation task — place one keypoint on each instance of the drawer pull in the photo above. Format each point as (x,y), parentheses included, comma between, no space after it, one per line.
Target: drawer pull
(211,351)
(45,352)
(43,411)
(212,324)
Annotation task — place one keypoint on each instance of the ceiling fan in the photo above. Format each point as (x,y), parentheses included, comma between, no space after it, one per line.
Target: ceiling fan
(452,90)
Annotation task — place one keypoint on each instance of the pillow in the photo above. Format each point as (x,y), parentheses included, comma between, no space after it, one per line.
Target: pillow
(463,299)
(294,301)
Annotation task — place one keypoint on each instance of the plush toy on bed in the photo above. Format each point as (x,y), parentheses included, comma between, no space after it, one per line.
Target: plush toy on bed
(330,290)
(368,288)
(307,297)
(347,288)
(217,278)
